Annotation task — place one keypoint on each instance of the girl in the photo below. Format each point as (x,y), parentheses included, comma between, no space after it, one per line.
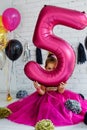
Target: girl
(61,106)
(50,64)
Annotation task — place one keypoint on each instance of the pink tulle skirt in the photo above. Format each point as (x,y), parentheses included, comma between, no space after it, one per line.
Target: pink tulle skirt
(35,107)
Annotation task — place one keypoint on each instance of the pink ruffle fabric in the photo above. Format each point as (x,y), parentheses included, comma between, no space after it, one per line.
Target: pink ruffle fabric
(35,107)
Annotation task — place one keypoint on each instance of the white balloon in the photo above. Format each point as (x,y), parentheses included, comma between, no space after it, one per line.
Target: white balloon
(2,59)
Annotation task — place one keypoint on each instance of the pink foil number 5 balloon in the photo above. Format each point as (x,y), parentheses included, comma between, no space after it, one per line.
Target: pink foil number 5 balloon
(45,38)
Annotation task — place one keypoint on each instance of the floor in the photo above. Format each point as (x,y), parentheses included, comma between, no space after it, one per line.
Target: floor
(8,125)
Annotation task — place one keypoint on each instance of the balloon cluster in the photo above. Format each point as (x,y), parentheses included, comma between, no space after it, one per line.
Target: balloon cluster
(9,21)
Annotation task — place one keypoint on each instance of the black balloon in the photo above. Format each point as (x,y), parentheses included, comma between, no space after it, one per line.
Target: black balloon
(13,49)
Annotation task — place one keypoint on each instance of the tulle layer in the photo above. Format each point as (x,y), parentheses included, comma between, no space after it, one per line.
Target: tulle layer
(35,107)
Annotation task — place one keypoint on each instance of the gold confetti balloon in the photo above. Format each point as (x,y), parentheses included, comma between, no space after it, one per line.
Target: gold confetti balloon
(1,24)
(3,35)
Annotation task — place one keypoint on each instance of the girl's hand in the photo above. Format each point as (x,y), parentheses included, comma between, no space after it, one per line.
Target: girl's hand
(40,88)
(36,85)
(61,87)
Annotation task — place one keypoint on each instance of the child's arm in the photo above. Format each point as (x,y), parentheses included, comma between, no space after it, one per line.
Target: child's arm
(40,88)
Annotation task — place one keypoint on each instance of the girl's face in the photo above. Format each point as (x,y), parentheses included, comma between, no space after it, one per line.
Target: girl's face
(51,66)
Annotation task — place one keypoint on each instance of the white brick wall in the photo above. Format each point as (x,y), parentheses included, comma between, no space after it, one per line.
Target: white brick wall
(29,10)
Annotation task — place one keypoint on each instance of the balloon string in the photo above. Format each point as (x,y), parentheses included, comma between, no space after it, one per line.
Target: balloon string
(7,72)
(10,80)
(11,74)
(12,67)
(7,82)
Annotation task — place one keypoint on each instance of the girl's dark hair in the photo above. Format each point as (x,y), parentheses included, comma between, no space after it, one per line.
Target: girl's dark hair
(51,58)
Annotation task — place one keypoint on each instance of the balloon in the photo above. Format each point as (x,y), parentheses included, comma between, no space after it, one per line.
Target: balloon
(14,49)
(1,24)
(3,35)
(11,18)
(3,38)
(2,59)
(44,38)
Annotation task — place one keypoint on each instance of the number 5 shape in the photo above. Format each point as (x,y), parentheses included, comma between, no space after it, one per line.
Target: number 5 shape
(45,38)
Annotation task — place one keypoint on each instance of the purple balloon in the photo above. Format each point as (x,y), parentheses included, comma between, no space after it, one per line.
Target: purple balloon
(11,18)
